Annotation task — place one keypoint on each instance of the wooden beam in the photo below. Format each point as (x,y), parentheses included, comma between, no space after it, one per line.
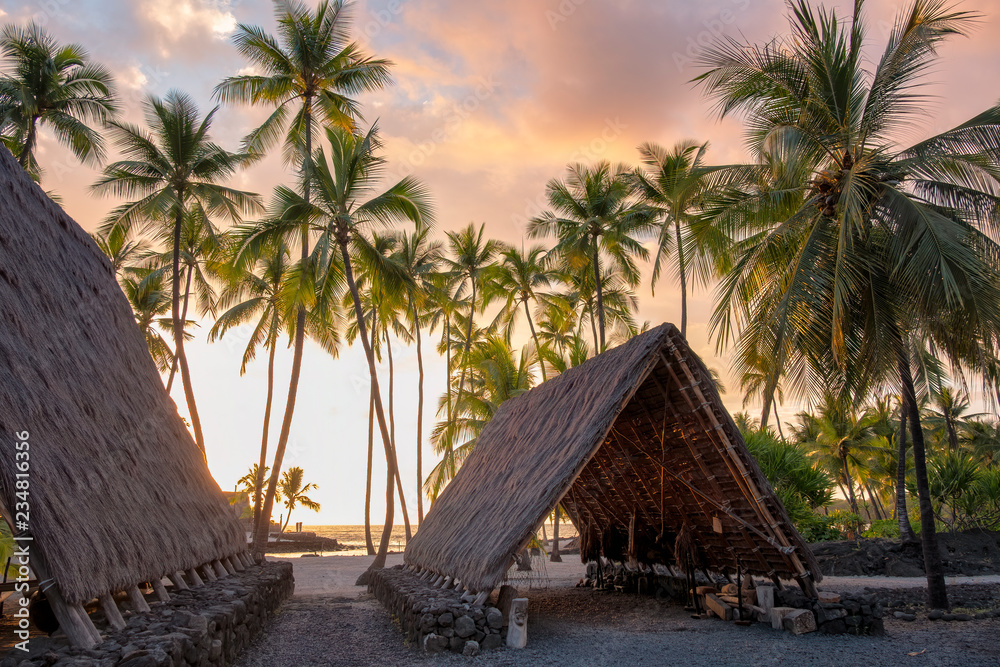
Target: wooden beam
(161,592)
(178,581)
(220,571)
(209,572)
(237,564)
(73,620)
(138,601)
(228,566)
(194,578)
(111,611)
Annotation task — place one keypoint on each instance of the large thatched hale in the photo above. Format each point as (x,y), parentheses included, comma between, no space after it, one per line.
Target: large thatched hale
(118,492)
(638,447)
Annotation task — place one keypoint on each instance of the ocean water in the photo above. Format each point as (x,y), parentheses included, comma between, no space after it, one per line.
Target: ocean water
(353,537)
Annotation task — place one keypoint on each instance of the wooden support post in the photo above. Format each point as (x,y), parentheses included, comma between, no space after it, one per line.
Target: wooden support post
(73,620)
(237,564)
(220,571)
(437,582)
(138,601)
(177,580)
(111,611)
(193,577)
(161,592)
(481,598)
(245,558)
(228,566)
(209,572)
(458,585)
(446,584)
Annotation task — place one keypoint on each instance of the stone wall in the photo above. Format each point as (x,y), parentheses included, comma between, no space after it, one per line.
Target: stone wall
(434,618)
(206,626)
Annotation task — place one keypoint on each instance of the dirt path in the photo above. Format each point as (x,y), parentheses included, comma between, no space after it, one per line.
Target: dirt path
(332,622)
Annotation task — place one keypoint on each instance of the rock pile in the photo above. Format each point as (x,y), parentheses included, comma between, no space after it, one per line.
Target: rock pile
(206,626)
(437,619)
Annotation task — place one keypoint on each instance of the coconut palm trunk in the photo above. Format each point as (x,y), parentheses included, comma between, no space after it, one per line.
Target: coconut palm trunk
(383,547)
(259,482)
(29,144)
(468,344)
(937,592)
(600,292)
(848,482)
(554,551)
(369,545)
(175,311)
(906,533)
(538,346)
(184,311)
(420,416)
(392,436)
(683,276)
(263,527)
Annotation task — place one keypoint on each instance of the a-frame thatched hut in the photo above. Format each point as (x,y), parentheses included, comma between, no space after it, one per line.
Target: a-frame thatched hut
(638,447)
(110,490)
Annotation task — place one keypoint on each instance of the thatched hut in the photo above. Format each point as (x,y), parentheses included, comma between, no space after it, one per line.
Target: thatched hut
(115,490)
(637,446)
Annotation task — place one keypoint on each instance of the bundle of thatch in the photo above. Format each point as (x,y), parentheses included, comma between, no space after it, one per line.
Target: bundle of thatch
(119,492)
(638,447)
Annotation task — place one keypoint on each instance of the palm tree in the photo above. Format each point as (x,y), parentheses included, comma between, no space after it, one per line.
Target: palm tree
(342,180)
(293,492)
(497,374)
(47,84)
(150,301)
(420,258)
(251,480)
(311,67)
(172,168)
(516,280)
(470,255)
(852,241)
(595,211)
(675,185)
(122,252)
(256,296)
(951,411)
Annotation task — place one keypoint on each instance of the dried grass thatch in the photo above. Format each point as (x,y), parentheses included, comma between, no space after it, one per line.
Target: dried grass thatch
(638,447)
(119,492)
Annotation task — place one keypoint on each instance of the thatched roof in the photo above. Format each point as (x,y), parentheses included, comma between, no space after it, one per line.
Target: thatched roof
(642,454)
(119,492)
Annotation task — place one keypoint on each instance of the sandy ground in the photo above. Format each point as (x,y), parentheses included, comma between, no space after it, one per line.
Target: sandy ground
(332,622)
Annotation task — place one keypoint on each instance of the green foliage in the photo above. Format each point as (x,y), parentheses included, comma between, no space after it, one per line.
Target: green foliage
(819,528)
(883,528)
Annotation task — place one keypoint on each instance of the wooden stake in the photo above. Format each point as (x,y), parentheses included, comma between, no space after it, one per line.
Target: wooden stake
(219,569)
(237,564)
(161,592)
(178,581)
(481,598)
(195,580)
(73,620)
(208,571)
(111,611)
(138,601)
(228,566)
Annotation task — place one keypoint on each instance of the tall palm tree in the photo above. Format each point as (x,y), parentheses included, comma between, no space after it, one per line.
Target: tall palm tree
(675,184)
(293,492)
(497,374)
(344,208)
(173,167)
(470,253)
(421,259)
(516,280)
(950,411)
(853,241)
(46,84)
(594,213)
(150,301)
(309,72)
(256,296)
(121,250)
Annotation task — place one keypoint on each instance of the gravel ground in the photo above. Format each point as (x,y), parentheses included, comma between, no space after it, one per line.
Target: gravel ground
(330,622)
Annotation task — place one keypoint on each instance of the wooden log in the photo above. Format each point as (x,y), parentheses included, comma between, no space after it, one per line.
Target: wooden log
(504,599)
(111,611)
(481,598)
(517,631)
(73,620)
(247,559)
(220,571)
(718,607)
(138,601)
(193,577)
(228,566)
(237,564)
(177,579)
(209,572)
(161,592)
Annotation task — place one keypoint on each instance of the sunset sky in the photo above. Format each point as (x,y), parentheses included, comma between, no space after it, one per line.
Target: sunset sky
(490,101)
